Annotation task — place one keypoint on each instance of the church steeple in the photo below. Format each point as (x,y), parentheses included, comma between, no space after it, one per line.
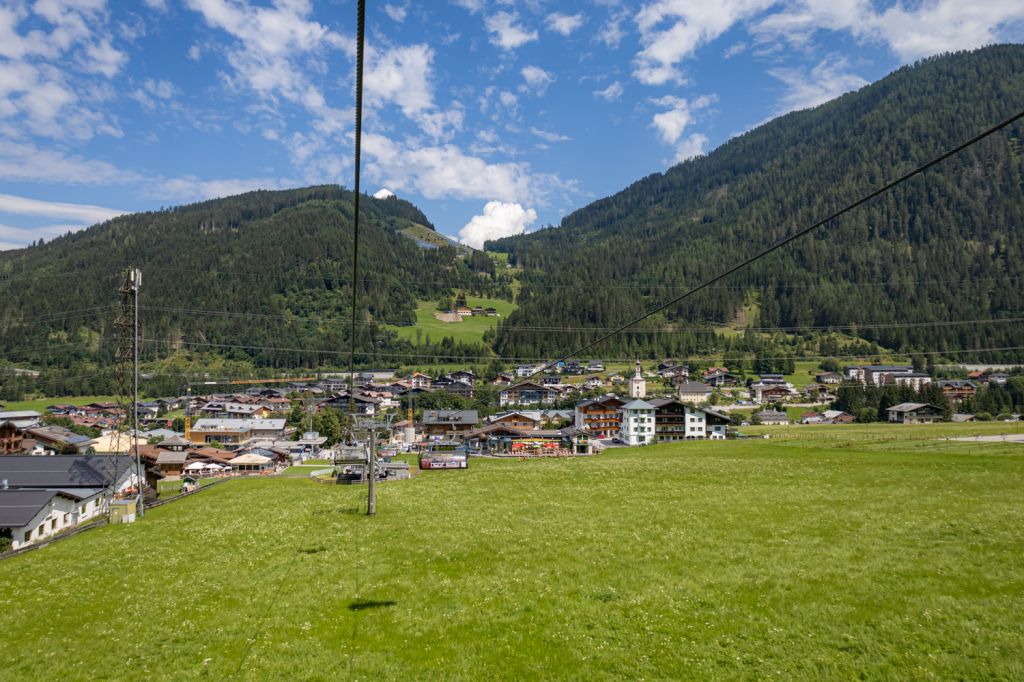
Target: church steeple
(637,385)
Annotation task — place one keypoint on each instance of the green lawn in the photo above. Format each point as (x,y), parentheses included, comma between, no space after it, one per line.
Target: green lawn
(808,558)
(40,404)
(469,330)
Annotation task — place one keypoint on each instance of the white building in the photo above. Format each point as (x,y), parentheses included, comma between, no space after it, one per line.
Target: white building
(637,385)
(637,426)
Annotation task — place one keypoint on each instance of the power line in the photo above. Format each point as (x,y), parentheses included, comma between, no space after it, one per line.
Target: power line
(798,234)
(449,325)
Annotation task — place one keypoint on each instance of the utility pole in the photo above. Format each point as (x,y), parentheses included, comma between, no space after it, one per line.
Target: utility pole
(371,490)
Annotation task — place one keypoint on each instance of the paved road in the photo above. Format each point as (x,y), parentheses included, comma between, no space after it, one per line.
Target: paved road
(1007,438)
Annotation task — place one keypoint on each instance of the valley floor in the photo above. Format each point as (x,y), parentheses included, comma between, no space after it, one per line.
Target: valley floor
(801,556)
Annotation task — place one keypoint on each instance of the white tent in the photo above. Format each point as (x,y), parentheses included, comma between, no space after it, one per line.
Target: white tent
(195,466)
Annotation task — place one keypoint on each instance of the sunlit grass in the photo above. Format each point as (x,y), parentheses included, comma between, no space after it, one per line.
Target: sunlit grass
(739,559)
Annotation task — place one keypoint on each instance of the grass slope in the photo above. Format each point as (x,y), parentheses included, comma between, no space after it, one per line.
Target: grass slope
(469,330)
(40,404)
(754,560)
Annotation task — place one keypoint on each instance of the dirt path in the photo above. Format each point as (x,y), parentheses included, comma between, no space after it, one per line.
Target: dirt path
(448,317)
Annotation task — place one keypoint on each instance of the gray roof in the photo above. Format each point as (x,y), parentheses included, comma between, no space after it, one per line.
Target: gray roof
(238,425)
(171,458)
(63,471)
(175,439)
(771,414)
(910,407)
(694,387)
(638,405)
(18,507)
(451,417)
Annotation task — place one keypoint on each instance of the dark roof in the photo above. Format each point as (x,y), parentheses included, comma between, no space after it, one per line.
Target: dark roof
(451,417)
(62,471)
(18,507)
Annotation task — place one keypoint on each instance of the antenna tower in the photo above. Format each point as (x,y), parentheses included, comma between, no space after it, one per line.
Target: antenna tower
(126,366)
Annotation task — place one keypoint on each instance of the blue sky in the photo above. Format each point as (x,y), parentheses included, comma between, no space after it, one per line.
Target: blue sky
(493,116)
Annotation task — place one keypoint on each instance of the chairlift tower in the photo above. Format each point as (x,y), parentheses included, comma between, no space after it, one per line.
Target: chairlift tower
(126,365)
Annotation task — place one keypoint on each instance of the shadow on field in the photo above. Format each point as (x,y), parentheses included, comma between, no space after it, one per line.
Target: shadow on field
(363,604)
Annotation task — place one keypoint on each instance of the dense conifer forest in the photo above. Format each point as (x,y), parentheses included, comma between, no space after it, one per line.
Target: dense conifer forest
(946,246)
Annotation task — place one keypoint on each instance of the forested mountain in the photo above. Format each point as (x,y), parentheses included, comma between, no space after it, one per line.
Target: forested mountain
(946,246)
(235,277)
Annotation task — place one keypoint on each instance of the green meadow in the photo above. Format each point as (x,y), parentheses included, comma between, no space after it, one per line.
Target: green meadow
(469,330)
(807,555)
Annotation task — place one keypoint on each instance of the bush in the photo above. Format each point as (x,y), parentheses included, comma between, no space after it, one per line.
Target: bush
(1004,416)
(866,415)
(983,416)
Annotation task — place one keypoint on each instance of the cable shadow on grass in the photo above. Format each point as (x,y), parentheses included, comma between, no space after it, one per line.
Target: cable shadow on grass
(364,604)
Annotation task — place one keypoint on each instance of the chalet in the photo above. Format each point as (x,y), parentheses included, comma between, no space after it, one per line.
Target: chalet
(837,417)
(875,375)
(234,410)
(12,439)
(977,375)
(670,370)
(449,423)
(914,413)
(678,420)
(446,383)
(593,382)
(420,380)
(600,416)
(22,419)
(998,378)
(477,310)
(763,392)
(595,366)
(236,433)
(828,378)
(464,375)
(813,418)
(637,424)
(501,439)
(694,392)
(957,390)
(551,380)
(171,464)
(716,424)
(524,421)
(772,418)
(573,368)
(503,379)
(818,392)
(719,376)
(59,440)
(491,312)
(528,393)
(527,370)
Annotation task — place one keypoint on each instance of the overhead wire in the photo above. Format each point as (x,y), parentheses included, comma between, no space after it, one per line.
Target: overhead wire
(797,235)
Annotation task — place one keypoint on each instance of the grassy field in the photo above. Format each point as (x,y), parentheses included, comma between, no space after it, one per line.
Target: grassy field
(865,557)
(469,330)
(40,404)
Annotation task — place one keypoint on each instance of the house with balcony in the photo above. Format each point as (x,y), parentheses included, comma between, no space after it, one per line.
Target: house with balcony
(600,416)
(529,393)
(638,423)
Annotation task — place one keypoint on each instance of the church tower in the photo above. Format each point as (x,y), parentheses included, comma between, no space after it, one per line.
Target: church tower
(637,385)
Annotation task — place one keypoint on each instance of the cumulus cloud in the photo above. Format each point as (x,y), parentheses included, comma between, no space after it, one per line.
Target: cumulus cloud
(693,146)
(498,220)
(805,89)
(671,30)
(611,93)
(671,123)
(564,23)
(537,80)
(26,162)
(506,32)
(445,171)
(548,136)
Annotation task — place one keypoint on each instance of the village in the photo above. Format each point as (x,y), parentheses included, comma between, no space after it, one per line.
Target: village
(569,409)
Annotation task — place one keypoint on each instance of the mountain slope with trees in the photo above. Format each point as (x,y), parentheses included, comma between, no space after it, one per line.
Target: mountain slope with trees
(236,277)
(946,246)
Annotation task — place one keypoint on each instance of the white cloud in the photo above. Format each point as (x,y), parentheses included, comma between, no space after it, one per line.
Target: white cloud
(806,89)
(548,136)
(671,30)
(195,53)
(693,146)
(537,80)
(564,23)
(611,93)
(611,33)
(192,188)
(910,30)
(498,220)
(672,123)
(446,171)
(159,5)
(396,12)
(21,161)
(473,6)
(79,213)
(506,32)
